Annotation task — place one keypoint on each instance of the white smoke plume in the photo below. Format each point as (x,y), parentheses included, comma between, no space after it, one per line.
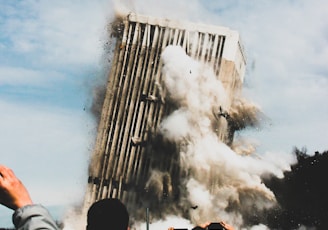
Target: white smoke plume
(190,84)
(220,183)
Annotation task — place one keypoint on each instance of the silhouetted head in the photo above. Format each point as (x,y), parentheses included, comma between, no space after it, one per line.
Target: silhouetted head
(107,214)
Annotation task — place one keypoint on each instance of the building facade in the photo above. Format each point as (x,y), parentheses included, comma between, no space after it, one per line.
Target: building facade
(135,104)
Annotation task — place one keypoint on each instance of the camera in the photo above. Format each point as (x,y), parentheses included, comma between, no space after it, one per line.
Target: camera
(215,226)
(211,226)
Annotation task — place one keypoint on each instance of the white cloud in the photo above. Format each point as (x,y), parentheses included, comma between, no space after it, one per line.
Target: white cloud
(49,49)
(57,33)
(48,148)
(185,10)
(26,76)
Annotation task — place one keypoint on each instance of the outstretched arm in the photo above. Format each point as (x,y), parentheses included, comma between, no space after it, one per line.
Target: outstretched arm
(13,193)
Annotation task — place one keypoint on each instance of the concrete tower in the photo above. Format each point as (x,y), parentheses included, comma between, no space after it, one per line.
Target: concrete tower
(136,103)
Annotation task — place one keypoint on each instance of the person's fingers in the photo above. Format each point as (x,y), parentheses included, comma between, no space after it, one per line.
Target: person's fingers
(2,169)
(226,226)
(5,171)
(7,174)
(204,225)
(2,174)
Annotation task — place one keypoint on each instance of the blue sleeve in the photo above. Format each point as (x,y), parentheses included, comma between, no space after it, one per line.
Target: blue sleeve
(32,217)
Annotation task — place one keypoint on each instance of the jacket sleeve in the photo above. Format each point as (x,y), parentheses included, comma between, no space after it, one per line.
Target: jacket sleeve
(32,217)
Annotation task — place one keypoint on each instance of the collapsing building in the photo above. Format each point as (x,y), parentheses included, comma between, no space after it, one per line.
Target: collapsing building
(129,146)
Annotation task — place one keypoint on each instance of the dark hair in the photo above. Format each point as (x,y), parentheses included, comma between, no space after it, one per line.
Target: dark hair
(109,213)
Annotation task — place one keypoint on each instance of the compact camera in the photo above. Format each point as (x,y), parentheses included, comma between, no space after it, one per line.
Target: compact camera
(215,226)
(211,226)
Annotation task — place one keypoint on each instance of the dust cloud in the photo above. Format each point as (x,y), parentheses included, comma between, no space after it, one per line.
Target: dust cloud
(216,182)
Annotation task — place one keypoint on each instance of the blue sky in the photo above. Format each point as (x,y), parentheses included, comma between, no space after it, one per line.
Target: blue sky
(51,56)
